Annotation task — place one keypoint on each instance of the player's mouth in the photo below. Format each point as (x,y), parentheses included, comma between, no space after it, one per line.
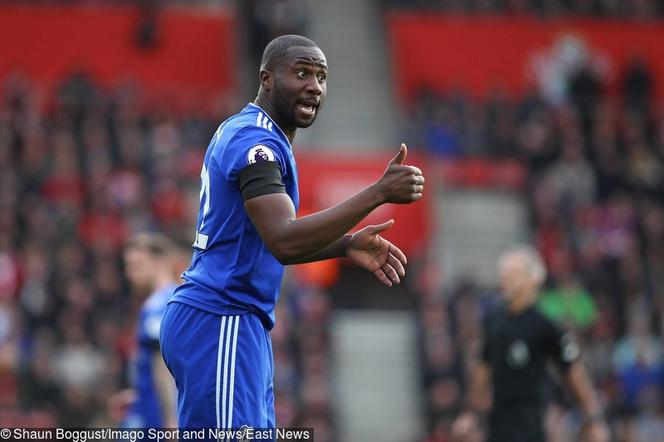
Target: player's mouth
(307,108)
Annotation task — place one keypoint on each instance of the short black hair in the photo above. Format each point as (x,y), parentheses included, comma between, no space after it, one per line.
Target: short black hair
(276,49)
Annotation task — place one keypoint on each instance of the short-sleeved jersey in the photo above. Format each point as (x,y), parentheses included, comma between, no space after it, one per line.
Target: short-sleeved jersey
(146,411)
(517,349)
(232,271)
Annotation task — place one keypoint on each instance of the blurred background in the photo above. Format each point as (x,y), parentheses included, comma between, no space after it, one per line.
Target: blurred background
(536,121)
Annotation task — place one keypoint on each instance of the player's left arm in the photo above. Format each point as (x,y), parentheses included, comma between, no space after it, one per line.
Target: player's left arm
(165,390)
(566,353)
(368,250)
(476,403)
(338,249)
(579,382)
(323,234)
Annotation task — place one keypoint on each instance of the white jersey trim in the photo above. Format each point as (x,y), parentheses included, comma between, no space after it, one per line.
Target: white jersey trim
(225,383)
(217,389)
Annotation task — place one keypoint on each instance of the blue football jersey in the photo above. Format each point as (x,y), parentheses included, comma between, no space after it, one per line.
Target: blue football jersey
(232,271)
(146,411)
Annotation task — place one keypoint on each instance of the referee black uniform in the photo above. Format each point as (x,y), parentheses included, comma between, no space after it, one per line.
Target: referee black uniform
(517,348)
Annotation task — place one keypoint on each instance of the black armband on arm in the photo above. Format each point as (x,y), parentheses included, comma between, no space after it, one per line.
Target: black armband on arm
(261,178)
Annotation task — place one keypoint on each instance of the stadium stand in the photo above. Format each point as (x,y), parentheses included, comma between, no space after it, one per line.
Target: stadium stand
(637,9)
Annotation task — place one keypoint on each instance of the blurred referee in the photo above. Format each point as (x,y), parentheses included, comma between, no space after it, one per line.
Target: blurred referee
(518,343)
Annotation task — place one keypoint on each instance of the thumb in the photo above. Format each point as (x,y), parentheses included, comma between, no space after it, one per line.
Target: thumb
(401,156)
(374,230)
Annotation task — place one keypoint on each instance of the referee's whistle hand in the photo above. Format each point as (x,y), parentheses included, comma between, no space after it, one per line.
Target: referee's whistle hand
(401,183)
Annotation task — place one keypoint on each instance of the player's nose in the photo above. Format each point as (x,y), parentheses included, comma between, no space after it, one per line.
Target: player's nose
(314,86)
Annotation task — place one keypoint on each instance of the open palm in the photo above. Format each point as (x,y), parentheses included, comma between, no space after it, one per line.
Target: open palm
(370,251)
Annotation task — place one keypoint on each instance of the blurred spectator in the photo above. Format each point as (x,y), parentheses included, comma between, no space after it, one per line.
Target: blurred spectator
(584,90)
(302,359)
(640,9)
(572,178)
(442,130)
(569,304)
(638,361)
(268,19)
(637,85)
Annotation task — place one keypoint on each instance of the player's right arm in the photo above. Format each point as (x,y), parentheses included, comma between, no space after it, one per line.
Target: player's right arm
(565,352)
(292,240)
(478,398)
(478,395)
(579,382)
(476,403)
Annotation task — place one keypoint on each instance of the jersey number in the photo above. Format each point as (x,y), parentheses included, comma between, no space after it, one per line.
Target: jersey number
(201,239)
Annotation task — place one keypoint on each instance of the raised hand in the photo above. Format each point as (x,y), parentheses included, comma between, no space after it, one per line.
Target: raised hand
(368,250)
(401,184)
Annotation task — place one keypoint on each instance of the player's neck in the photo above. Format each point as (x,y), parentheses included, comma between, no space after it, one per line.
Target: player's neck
(267,107)
(521,303)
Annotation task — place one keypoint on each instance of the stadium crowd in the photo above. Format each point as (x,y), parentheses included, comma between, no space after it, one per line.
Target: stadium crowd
(80,172)
(268,19)
(595,194)
(633,9)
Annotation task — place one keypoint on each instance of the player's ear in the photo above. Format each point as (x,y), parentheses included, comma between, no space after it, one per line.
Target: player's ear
(266,80)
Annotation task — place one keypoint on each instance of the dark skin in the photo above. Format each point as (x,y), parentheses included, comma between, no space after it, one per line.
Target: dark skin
(299,78)
(291,92)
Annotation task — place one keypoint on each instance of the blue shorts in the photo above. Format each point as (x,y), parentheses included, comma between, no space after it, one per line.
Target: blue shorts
(223,368)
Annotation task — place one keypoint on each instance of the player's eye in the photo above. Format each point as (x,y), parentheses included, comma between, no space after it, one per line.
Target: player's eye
(322,78)
(301,73)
